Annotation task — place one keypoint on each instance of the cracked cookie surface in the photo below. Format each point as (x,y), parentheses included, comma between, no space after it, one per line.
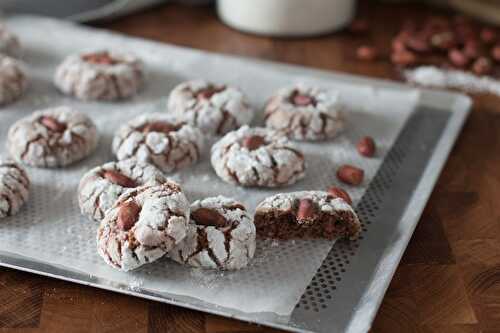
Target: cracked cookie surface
(13,80)
(305,113)
(257,157)
(161,139)
(143,224)
(100,187)
(213,108)
(306,214)
(101,75)
(14,187)
(52,138)
(9,42)
(221,235)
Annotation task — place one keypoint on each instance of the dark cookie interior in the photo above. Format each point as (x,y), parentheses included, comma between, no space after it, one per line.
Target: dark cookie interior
(285,224)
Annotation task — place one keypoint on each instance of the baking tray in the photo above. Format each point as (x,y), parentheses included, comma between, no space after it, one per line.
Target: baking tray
(347,289)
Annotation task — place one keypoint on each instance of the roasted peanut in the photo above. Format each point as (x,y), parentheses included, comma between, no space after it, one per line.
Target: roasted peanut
(350,174)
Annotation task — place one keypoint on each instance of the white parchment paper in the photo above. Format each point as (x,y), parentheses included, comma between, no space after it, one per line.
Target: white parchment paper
(50,228)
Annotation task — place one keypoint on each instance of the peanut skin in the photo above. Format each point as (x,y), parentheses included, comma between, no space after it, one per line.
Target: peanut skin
(366,146)
(350,175)
(208,217)
(52,124)
(305,212)
(337,192)
(127,215)
(119,179)
(253,142)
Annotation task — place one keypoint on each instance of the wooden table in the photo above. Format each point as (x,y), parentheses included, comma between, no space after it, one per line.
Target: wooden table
(449,278)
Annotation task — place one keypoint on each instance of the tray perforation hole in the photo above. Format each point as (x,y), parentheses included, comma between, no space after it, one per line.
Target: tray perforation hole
(321,291)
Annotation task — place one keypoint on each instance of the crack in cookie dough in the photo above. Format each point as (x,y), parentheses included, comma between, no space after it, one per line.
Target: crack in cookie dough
(221,235)
(215,109)
(257,157)
(305,113)
(161,139)
(52,138)
(100,187)
(13,80)
(143,224)
(101,75)
(14,187)
(306,214)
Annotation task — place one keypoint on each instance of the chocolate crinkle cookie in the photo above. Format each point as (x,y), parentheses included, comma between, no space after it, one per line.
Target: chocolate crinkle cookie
(52,138)
(257,157)
(102,75)
(305,113)
(9,42)
(13,80)
(14,187)
(161,139)
(215,109)
(143,225)
(100,187)
(221,235)
(306,214)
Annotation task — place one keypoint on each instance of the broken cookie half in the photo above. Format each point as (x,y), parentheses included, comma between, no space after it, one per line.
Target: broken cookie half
(143,225)
(221,235)
(306,214)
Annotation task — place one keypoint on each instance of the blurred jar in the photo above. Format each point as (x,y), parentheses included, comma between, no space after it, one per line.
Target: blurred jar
(286,17)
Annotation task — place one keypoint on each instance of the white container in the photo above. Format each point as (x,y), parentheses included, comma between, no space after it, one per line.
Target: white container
(286,17)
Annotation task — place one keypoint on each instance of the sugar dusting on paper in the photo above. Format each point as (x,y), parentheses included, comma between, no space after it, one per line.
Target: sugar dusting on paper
(431,76)
(50,228)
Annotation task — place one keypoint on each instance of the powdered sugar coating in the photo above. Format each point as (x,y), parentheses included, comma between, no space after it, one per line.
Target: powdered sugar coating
(14,187)
(230,247)
(100,81)
(432,76)
(320,120)
(9,42)
(168,151)
(277,163)
(161,224)
(32,143)
(224,110)
(97,194)
(284,202)
(13,80)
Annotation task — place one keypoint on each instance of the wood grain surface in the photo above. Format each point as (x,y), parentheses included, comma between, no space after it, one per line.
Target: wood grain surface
(449,278)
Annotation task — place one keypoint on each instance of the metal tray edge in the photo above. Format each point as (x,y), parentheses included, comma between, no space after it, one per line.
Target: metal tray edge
(461,109)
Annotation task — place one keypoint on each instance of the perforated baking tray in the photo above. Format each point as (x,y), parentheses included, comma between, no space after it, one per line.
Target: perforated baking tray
(347,289)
